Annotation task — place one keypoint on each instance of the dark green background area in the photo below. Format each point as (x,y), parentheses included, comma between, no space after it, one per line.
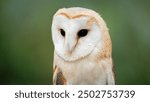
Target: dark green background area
(26,48)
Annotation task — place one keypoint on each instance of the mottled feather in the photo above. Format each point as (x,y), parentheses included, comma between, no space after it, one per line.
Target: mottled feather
(58,77)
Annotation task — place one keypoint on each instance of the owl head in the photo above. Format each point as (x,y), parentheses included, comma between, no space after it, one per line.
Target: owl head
(79,32)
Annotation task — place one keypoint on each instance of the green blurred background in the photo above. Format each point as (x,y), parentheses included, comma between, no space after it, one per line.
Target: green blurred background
(26,48)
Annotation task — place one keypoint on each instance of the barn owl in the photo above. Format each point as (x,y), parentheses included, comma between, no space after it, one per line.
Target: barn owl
(82,48)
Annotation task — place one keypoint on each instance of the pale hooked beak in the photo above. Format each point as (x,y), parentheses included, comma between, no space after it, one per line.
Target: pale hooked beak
(70,43)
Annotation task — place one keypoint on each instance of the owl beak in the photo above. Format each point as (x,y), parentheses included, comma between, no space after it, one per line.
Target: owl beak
(70,43)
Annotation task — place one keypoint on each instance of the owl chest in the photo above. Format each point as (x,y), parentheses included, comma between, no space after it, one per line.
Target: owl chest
(83,72)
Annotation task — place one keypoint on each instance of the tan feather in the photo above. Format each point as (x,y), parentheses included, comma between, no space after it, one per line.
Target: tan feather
(58,77)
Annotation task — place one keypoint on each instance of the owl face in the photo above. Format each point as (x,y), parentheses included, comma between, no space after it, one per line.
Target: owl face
(75,34)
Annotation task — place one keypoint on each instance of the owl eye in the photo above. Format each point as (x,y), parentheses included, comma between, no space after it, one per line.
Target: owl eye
(62,32)
(82,33)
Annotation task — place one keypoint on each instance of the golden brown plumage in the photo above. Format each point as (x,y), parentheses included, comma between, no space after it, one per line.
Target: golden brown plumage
(58,77)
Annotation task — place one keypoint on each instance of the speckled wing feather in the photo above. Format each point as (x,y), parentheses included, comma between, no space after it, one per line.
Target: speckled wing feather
(58,77)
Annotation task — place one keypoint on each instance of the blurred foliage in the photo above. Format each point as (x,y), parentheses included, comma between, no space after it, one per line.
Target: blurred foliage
(26,48)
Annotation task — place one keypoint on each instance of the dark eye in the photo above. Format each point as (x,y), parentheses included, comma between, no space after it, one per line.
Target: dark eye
(62,32)
(82,33)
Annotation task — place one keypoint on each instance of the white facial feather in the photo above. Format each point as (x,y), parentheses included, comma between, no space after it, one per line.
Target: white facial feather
(70,47)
